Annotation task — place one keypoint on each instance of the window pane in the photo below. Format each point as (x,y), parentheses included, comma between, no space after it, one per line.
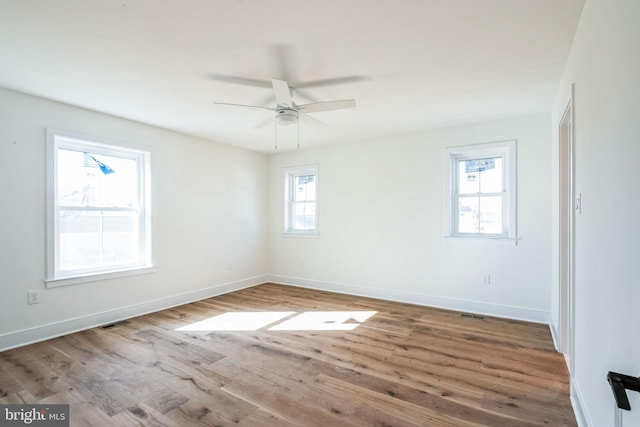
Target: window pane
(468,208)
(79,240)
(468,182)
(120,238)
(305,188)
(89,179)
(304,216)
(491,176)
(480,176)
(491,215)
(90,239)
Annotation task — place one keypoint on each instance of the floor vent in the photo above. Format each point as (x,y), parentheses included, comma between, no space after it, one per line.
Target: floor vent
(472,316)
(113,325)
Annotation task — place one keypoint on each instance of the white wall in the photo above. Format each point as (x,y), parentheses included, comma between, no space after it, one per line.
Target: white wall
(381,224)
(209,204)
(605,66)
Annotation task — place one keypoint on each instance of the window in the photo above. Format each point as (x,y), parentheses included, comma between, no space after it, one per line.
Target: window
(98,209)
(481,190)
(301,200)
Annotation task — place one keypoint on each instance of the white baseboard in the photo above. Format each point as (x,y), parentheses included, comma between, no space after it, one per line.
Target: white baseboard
(554,336)
(468,306)
(577,401)
(64,327)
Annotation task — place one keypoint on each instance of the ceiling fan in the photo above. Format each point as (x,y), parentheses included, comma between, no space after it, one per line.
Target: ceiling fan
(288,112)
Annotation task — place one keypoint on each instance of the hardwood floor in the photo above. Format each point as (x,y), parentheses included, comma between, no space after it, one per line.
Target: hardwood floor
(404,365)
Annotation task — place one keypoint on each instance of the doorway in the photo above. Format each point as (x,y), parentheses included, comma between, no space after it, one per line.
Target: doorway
(566,210)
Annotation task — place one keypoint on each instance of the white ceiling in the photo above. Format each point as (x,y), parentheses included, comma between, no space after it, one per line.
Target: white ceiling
(427,63)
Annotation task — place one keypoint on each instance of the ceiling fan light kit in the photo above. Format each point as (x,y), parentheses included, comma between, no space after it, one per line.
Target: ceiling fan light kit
(286,117)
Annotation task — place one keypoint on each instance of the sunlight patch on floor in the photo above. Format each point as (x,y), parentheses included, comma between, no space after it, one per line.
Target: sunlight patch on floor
(282,321)
(324,321)
(238,321)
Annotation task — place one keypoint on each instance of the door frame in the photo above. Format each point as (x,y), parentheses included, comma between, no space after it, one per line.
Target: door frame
(568,204)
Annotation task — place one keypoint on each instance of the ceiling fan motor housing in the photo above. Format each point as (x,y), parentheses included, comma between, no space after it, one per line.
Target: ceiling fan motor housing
(286,116)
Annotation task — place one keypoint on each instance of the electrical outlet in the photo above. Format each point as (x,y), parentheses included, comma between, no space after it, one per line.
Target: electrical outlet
(33,297)
(301,262)
(485,279)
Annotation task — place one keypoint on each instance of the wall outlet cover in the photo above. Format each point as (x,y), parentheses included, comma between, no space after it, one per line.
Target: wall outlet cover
(33,297)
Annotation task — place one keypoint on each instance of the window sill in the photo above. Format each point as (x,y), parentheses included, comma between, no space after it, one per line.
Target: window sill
(313,235)
(65,281)
(483,240)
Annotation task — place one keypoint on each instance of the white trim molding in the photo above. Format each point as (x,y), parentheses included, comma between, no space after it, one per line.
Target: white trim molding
(554,335)
(507,152)
(577,401)
(456,304)
(52,330)
(291,174)
(60,270)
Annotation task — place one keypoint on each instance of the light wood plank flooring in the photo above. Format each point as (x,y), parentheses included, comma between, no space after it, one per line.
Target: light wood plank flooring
(404,365)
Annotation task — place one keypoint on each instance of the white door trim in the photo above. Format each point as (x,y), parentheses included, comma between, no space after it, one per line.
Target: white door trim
(566,210)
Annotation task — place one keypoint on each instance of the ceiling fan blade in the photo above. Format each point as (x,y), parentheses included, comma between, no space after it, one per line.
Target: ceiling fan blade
(329,82)
(312,121)
(304,94)
(281,55)
(326,106)
(266,100)
(244,105)
(240,80)
(282,92)
(266,122)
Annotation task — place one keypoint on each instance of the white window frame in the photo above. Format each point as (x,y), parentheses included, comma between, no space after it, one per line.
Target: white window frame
(57,139)
(290,175)
(507,151)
